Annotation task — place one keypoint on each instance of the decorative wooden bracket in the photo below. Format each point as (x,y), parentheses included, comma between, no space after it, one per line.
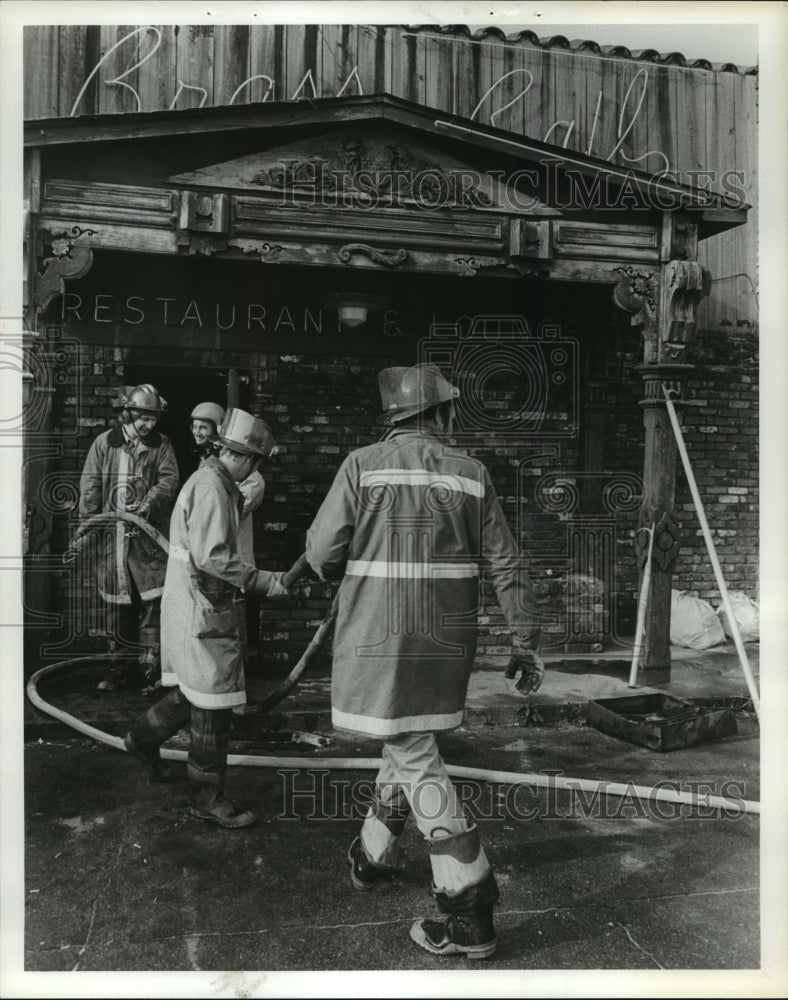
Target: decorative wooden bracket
(261,249)
(636,293)
(499,265)
(679,237)
(204,213)
(530,239)
(59,255)
(389,258)
(203,222)
(684,284)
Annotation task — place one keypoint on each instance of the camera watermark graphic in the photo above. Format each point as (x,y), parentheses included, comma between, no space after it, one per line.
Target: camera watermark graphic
(320,795)
(512,383)
(46,370)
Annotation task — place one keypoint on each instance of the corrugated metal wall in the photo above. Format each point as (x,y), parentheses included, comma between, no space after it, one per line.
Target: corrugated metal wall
(634,111)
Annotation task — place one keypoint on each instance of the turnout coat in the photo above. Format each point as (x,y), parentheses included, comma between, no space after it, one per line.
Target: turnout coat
(202,610)
(252,490)
(117,478)
(408,522)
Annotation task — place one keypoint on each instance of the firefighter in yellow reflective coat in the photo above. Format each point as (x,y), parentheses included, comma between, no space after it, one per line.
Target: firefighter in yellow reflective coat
(407,524)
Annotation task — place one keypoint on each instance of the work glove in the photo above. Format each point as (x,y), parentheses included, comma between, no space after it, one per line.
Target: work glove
(143,510)
(526,660)
(271,584)
(76,547)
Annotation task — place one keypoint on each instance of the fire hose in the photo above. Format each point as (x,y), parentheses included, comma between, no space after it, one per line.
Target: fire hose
(694,799)
(296,571)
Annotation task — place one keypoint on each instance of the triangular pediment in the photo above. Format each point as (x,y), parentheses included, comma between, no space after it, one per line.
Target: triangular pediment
(370,164)
(501,170)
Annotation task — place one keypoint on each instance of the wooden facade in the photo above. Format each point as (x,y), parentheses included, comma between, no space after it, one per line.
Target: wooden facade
(189,155)
(635,109)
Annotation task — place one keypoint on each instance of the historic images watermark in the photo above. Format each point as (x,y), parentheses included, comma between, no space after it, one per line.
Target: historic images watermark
(564,182)
(318,794)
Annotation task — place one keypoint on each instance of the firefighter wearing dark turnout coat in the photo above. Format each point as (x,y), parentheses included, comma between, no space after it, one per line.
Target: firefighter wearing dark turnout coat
(203,620)
(407,524)
(131,468)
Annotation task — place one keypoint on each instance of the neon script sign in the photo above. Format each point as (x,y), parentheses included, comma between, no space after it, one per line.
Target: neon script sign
(630,109)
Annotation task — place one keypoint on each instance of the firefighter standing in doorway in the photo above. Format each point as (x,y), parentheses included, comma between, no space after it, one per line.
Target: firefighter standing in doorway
(204,424)
(203,619)
(206,419)
(408,522)
(132,468)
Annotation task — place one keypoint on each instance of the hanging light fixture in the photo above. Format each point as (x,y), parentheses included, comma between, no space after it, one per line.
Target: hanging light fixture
(353,308)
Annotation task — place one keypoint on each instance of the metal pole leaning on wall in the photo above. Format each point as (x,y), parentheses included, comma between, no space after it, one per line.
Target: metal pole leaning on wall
(642,604)
(726,601)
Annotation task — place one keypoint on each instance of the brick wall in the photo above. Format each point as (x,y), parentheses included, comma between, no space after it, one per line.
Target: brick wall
(319,410)
(721,433)
(321,407)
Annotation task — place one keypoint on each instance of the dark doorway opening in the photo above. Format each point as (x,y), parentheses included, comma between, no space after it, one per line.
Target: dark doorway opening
(183,388)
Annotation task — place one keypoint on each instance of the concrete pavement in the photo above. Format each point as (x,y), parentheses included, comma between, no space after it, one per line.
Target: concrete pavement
(569,683)
(118,877)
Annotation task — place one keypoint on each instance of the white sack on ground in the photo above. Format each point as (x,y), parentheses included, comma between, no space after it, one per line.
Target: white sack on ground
(747,615)
(693,622)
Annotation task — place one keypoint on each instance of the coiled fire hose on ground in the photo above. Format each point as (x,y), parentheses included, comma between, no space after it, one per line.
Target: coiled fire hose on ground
(694,799)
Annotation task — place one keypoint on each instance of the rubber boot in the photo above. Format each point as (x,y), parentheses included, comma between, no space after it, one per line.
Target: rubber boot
(468,929)
(116,678)
(375,856)
(221,811)
(150,756)
(150,730)
(206,766)
(366,874)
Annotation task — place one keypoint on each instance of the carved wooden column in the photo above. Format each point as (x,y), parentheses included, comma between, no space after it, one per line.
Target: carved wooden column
(664,303)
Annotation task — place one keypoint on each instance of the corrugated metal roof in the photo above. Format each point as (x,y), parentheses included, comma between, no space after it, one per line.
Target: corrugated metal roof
(585,45)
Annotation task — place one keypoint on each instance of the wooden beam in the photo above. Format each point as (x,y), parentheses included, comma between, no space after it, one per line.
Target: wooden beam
(665,308)
(112,236)
(190,121)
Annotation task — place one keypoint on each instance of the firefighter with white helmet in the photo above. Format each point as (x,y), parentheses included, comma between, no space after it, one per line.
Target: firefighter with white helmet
(131,468)
(407,523)
(203,620)
(206,419)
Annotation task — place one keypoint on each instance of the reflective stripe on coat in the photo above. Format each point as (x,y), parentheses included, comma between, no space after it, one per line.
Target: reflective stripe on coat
(408,522)
(116,478)
(202,610)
